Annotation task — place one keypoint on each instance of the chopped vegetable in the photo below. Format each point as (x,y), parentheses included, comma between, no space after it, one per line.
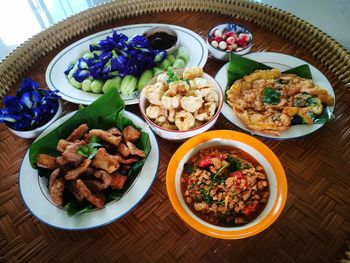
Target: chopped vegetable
(271,96)
(112,84)
(128,85)
(145,77)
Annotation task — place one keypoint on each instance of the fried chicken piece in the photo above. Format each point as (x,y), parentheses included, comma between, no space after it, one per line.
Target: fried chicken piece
(104,176)
(88,195)
(62,145)
(46,161)
(123,149)
(78,133)
(106,136)
(114,131)
(125,161)
(118,181)
(56,187)
(73,174)
(134,150)
(130,134)
(105,161)
(72,186)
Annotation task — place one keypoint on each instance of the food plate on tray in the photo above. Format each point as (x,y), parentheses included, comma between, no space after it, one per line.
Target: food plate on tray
(282,62)
(35,194)
(56,80)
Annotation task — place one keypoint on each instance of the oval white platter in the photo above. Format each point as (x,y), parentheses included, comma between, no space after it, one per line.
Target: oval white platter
(34,191)
(282,62)
(57,80)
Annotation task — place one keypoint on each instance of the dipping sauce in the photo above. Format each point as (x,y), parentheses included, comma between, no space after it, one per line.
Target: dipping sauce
(161,40)
(224,186)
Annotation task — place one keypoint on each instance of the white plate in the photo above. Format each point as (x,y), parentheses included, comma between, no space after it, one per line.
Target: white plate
(57,80)
(34,191)
(282,62)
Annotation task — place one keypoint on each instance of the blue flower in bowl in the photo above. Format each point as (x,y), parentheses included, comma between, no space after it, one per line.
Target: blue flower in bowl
(31,110)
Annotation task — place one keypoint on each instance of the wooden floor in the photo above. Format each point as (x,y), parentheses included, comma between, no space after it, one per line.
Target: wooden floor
(314,226)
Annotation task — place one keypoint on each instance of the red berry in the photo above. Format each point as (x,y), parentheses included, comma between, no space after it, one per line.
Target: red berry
(218,39)
(240,42)
(230,34)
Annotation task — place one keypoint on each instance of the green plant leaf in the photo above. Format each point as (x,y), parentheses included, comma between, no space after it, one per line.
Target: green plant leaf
(106,112)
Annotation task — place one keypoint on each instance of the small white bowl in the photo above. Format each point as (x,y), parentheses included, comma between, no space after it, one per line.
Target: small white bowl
(35,133)
(224,55)
(167,30)
(175,135)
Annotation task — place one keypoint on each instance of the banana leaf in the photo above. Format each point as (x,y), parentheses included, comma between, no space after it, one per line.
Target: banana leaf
(240,66)
(106,112)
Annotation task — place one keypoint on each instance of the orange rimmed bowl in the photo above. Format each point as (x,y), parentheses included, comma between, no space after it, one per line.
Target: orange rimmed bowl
(258,150)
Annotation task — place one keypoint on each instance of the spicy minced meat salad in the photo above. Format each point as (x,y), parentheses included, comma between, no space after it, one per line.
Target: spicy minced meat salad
(224,186)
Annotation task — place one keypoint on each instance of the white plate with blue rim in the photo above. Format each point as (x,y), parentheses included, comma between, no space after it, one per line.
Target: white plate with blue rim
(35,194)
(57,80)
(282,62)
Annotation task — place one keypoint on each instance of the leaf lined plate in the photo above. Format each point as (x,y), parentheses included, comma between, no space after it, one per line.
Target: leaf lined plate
(57,80)
(102,113)
(284,63)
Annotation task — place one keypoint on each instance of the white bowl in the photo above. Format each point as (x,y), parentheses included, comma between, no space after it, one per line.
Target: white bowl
(174,135)
(165,29)
(275,173)
(224,55)
(35,133)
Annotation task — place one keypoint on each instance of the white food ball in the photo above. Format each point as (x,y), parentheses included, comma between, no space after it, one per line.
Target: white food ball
(239,49)
(214,43)
(223,45)
(218,33)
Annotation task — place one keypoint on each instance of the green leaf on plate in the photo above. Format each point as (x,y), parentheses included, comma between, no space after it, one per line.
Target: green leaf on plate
(100,114)
(240,66)
(106,112)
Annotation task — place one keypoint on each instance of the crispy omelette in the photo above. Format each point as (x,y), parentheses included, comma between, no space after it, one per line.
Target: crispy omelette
(269,101)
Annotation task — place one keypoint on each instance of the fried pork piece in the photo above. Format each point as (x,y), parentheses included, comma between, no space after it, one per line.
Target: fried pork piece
(46,161)
(105,161)
(62,145)
(70,155)
(114,131)
(94,185)
(72,186)
(78,133)
(88,195)
(125,161)
(104,176)
(123,149)
(118,181)
(134,150)
(106,136)
(73,174)
(130,134)
(56,187)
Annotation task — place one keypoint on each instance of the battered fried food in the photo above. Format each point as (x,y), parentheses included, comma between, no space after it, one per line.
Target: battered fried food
(267,101)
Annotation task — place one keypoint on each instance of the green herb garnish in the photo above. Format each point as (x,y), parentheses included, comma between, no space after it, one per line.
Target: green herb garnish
(271,96)
(236,165)
(188,168)
(89,151)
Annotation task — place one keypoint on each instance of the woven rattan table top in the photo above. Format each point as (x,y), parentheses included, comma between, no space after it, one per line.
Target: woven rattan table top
(313,227)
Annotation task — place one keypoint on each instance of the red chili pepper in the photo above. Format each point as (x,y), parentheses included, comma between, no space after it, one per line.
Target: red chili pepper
(249,209)
(237,174)
(206,161)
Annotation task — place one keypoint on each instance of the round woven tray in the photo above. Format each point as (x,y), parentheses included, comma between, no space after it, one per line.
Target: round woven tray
(314,226)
